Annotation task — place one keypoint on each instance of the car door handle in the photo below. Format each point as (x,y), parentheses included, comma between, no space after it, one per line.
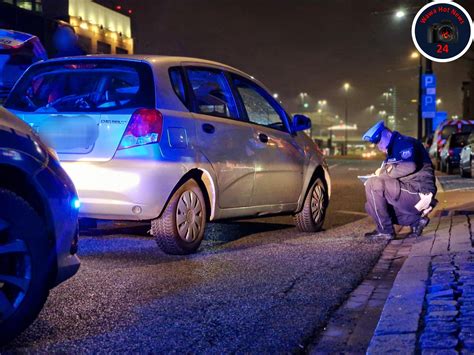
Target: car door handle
(208,128)
(263,137)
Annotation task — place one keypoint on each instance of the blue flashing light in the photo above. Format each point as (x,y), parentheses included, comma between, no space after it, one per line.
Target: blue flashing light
(76,203)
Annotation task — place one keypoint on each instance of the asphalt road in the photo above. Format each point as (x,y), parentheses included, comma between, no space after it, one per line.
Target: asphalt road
(254,286)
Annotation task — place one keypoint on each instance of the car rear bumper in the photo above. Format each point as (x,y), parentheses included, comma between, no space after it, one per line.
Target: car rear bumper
(124,189)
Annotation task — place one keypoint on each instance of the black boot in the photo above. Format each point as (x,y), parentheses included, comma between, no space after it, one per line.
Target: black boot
(418,228)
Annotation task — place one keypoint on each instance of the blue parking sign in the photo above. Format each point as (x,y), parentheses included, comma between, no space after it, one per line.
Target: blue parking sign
(428,106)
(428,99)
(428,81)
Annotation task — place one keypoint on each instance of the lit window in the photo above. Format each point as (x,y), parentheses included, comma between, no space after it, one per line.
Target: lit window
(27,5)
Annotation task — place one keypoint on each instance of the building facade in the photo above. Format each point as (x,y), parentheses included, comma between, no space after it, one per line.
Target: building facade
(100,29)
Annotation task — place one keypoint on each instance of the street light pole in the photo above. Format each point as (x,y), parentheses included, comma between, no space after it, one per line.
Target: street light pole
(420,97)
(428,121)
(345,131)
(346,99)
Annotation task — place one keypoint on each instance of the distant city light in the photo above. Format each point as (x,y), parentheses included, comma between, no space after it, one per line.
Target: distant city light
(347,86)
(305,105)
(439,102)
(275,95)
(118,7)
(415,55)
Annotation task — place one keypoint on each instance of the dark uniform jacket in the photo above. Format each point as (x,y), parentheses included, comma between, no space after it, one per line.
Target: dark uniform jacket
(409,163)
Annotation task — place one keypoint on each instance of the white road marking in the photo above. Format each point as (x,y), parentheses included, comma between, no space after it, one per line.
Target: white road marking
(353,169)
(333,166)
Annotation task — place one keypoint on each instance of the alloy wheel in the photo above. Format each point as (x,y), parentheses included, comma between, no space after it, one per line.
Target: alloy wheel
(317,203)
(15,271)
(189,216)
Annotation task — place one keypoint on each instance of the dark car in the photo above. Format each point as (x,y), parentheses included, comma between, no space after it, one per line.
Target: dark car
(38,225)
(466,165)
(451,153)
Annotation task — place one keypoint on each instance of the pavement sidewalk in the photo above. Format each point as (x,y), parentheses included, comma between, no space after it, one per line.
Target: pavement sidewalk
(430,308)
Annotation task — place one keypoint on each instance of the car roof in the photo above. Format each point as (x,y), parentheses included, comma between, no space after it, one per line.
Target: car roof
(156,60)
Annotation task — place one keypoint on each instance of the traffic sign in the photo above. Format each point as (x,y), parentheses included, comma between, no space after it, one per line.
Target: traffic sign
(428,81)
(428,98)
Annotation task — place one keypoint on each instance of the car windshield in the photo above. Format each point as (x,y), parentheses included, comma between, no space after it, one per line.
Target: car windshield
(447,131)
(83,86)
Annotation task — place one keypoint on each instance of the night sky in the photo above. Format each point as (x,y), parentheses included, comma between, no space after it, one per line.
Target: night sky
(301,45)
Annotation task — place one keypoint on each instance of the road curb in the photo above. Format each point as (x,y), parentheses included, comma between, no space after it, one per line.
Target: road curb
(400,324)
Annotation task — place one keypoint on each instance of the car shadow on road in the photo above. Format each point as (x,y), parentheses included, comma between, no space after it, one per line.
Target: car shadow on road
(226,232)
(129,241)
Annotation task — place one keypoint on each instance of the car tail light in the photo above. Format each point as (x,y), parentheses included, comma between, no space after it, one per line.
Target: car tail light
(145,127)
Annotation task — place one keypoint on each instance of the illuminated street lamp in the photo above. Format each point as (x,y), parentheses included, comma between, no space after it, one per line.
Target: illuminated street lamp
(439,102)
(346,87)
(303,95)
(415,55)
(399,14)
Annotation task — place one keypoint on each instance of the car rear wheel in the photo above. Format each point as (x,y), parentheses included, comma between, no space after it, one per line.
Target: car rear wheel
(311,217)
(23,265)
(180,229)
(465,173)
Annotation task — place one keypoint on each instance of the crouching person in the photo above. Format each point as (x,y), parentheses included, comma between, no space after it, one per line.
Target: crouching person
(403,190)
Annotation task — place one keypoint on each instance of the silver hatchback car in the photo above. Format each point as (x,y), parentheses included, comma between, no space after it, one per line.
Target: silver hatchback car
(175,141)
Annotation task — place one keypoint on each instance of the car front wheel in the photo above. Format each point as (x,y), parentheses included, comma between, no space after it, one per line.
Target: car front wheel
(180,229)
(24,264)
(311,217)
(449,168)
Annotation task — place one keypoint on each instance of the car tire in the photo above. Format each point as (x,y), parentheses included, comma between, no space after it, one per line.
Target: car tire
(465,173)
(311,217)
(443,167)
(180,229)
(24,265)
(449,168)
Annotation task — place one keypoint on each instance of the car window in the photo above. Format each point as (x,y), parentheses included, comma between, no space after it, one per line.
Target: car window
(177,81)
(83,86)
(212,93)
(259,106)
(467,128)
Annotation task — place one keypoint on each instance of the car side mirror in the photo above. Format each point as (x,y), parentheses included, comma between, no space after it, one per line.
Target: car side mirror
(301,123)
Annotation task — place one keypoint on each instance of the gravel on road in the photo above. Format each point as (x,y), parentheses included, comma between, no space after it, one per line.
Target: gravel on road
(266,288)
